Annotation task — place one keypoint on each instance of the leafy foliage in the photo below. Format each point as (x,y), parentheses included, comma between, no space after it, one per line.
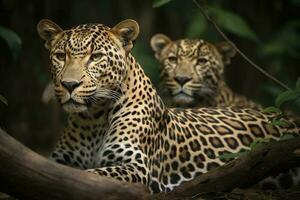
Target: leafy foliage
(271,109)
(197,26)
(158,3)
(229,156)
(280,122)
(280,48)
(286,137)
(298,84)
(13,41)
(296,2)
(286,96)
(285,41)
(3,100)
(232,22)
(228,20)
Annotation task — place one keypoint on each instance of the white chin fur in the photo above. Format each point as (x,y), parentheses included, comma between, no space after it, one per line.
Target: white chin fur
(183,99)
(72,108)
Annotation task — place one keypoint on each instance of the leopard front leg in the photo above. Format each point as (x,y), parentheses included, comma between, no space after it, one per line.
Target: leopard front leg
(122,161)
(72,151)
(130,172)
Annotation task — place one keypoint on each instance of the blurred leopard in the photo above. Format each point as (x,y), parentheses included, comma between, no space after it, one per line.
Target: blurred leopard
(192,73)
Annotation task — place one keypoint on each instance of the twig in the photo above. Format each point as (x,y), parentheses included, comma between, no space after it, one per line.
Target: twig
(237,49)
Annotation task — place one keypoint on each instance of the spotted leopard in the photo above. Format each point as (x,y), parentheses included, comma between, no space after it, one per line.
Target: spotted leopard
(119,127)
(192,73)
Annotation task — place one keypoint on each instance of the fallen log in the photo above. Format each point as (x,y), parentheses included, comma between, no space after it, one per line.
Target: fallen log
(26,175)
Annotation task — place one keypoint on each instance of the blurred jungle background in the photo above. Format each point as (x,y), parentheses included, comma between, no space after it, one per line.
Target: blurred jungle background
(266,31)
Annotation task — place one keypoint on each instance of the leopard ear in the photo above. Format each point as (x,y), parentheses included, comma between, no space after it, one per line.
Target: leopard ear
(226,51)
(126,31)
(48,31)
(158,42)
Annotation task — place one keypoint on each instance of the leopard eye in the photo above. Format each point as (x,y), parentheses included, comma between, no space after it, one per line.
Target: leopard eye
(60,56)
(202,61)
(96,57)
(172,59)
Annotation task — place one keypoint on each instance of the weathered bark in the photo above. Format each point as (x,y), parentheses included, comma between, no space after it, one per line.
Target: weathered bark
(270,159)
(27,175)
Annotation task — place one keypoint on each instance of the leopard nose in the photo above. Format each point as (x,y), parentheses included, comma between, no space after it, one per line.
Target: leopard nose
(182,79)
(70,84)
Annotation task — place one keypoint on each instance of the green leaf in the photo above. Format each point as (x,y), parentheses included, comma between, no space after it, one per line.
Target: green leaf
(255,145)
(228,156)
(285,42)
(298,84)
(286,96)
(257,142)
(158,3)
(3,100)
(286,137)
(280,122)
(233,23)
(197,26)
(272,48)
(296,2)
(13,41)
(271,109)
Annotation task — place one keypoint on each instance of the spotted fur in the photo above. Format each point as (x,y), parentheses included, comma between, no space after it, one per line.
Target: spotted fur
(192,73)
(119,127)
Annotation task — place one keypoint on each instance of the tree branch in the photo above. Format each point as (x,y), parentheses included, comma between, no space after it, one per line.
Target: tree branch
(27,175)
(203,11)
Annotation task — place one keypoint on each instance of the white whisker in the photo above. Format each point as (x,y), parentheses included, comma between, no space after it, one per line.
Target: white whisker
(104,93)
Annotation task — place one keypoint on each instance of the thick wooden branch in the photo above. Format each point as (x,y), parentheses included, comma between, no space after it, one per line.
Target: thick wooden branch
(270,159)
(27,175)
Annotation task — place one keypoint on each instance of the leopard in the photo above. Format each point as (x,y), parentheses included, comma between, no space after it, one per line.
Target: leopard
(191,72)
(119,127)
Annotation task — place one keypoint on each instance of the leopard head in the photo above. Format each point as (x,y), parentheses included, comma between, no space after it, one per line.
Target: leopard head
(88,62)
(191,69)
